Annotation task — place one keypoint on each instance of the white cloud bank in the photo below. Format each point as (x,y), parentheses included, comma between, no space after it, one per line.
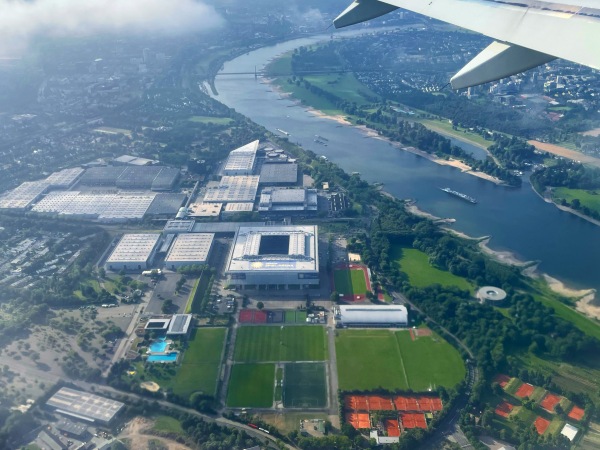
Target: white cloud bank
(22,20)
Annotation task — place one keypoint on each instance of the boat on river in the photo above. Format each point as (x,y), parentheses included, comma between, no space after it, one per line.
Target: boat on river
(459,195)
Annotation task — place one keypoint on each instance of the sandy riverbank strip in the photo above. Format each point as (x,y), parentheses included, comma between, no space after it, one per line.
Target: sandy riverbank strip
(547,197)
(565,153)
(368,132)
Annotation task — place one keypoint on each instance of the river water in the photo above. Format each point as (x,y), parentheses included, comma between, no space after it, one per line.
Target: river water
(518,220)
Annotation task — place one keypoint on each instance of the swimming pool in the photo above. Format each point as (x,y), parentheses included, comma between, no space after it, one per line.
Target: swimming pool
(158,346)
(168,358)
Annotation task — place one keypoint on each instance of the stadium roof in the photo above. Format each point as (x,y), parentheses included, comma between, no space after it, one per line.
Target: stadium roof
(275,248)
(278,173)
(190,247)
(84,406)
(371,314)
(134,247)
(180,324)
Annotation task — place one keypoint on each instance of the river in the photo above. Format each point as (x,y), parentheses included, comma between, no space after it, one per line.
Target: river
(518,220)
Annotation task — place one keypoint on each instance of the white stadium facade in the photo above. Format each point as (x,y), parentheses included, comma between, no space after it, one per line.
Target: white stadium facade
(274,257)
(370,316)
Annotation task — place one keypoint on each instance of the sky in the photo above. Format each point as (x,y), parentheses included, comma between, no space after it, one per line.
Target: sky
(23,20)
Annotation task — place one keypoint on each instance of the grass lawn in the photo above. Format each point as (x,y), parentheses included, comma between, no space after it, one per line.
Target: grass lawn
(290,317)
(166,424)
(350,282)
(591,199)
(274,343)
(201,363)
(444,127)
(415,264)
(367,359)
(251,385)
(304,386)
(430,361)
(207,119)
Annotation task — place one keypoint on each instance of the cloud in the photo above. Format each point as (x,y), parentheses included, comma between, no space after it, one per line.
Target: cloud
(23,20)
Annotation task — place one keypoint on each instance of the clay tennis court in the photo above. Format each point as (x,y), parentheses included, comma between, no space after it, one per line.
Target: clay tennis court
(385,403)
(550,401)
(392,427)
(410,420)
(503,409)
(576,413)
(377,403)
(358,420)
(525,390)
(541,424)
(502,380)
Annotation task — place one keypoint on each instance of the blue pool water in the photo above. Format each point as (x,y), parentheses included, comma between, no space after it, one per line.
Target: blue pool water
(171,357)
(158,346)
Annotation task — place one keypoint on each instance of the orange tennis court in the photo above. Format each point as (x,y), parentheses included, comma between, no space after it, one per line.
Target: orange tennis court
(358,420)
(525,390)
(576,413)
(503,409)
(378,403)
(392,427)
(549,402)
(502,380)
(541,425)
(410,420)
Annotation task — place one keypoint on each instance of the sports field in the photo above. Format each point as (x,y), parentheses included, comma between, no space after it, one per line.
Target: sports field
(368,359)
(304,386)
(350,281)
(251,385)
(201,363)
(280,343)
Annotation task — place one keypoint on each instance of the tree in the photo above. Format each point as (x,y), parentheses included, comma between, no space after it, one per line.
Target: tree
(335,297)
(260,305)
(168,307)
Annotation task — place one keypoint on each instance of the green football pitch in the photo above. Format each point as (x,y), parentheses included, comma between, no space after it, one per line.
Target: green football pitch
(304,386)
(251,385)
(280,343)
(368,359)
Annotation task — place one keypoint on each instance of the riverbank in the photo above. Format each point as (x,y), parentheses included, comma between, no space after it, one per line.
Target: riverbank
(370,133)
(585,299)
(547,197)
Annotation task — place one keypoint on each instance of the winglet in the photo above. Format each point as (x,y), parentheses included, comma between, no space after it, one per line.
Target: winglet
(498,60)
(362,10)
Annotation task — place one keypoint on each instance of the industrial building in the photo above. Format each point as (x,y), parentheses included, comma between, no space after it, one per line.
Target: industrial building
(370,316)
(156,178)
(274,257)
(278,174)
(178,226)
(24,195)
(64,179)
(179,325)
(92,206)
(205,210)
(232,209)
(241,161)
(132,161)
(134,252)
(81,405)
(233,189)
(188,249)
(288,201)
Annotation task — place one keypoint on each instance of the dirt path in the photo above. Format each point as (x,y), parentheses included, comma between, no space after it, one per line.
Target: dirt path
(136,431)
(565,153)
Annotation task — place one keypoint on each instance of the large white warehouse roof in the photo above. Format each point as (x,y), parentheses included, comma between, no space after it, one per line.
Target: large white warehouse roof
(371,315)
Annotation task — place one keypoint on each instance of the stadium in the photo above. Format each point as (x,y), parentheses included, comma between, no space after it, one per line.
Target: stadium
(275,257)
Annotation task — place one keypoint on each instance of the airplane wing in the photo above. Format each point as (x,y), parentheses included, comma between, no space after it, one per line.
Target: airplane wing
(527,33)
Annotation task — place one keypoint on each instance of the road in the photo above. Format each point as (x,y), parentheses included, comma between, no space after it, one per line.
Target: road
(26,368)
(448,428)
